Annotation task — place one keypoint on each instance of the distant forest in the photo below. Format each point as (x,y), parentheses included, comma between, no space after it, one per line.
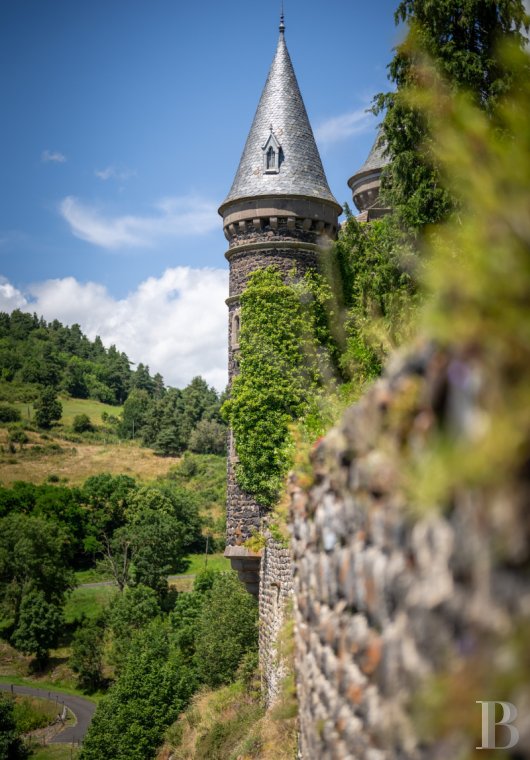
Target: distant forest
(37,355)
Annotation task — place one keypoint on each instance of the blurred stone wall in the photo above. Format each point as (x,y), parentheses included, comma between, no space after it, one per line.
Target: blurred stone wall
(398,603)
(275,604)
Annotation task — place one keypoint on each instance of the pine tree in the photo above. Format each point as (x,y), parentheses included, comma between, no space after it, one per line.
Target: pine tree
(461,37)
(47,408)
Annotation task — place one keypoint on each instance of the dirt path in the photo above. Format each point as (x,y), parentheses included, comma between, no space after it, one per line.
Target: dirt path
(82,708)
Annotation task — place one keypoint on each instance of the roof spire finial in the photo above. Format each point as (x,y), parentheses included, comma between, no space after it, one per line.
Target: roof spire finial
(282,24)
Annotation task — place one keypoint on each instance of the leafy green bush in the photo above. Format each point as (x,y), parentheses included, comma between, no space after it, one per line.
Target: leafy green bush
(9,413)
(17,434)
(82,423)
(39,625)
(129,613)
(11,746)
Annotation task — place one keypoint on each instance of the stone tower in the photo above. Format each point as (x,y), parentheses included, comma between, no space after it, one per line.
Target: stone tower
(278,212)
(366,183)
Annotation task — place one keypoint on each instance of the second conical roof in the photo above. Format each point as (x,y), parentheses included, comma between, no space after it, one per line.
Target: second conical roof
(282,111)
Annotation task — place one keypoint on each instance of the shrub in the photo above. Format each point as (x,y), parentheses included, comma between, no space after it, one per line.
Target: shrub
(82,423)
(9,413)
(17,434)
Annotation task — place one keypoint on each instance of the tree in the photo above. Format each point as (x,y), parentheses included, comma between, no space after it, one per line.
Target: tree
(199,400)
(39,625)
(105,498)
(462,39)
(74,379)
(142,380)
(34,556)
(186,613)
(178,503)
(130,612)
(208,437)
(135,412)
(152,690)
(47,408)
(87,654)
(11,746)
(227,629)
(145,550)
(61,505)
(168,442)
(157,546)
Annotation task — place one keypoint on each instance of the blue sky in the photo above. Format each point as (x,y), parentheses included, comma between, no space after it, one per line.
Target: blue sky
(123,125)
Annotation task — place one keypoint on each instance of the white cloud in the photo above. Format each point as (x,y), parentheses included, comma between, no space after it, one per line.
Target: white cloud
(341,127)
(176,323)
(173,217)
(10,297)
(53,156)
(111,172)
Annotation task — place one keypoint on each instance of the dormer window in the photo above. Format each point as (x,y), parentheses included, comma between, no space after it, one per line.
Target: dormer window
(272,154)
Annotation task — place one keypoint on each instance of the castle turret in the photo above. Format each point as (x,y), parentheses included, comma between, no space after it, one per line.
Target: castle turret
(278,212)
(365,184)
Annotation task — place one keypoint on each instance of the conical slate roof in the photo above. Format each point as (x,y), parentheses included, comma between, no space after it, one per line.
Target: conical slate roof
(281,111)
(376,158)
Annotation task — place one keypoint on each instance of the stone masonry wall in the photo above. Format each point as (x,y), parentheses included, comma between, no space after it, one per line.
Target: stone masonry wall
(275,603)
(390,600)
(243,263)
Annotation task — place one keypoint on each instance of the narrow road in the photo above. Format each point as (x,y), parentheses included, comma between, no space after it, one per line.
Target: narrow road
(82,708)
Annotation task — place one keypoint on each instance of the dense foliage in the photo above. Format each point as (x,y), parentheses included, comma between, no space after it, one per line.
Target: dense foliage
(377,289)
(168,423)
(285,362)
(11,746)
(34,577)
(149,694)
(226,630)
(462,40)
(40,361)
(163,661)
(37,353)
(479,284)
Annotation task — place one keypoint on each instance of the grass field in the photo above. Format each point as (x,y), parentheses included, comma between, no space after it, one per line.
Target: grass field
(92,575)
(88,602)
(74,463)
(55,752)
(72,407)
(213,562)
